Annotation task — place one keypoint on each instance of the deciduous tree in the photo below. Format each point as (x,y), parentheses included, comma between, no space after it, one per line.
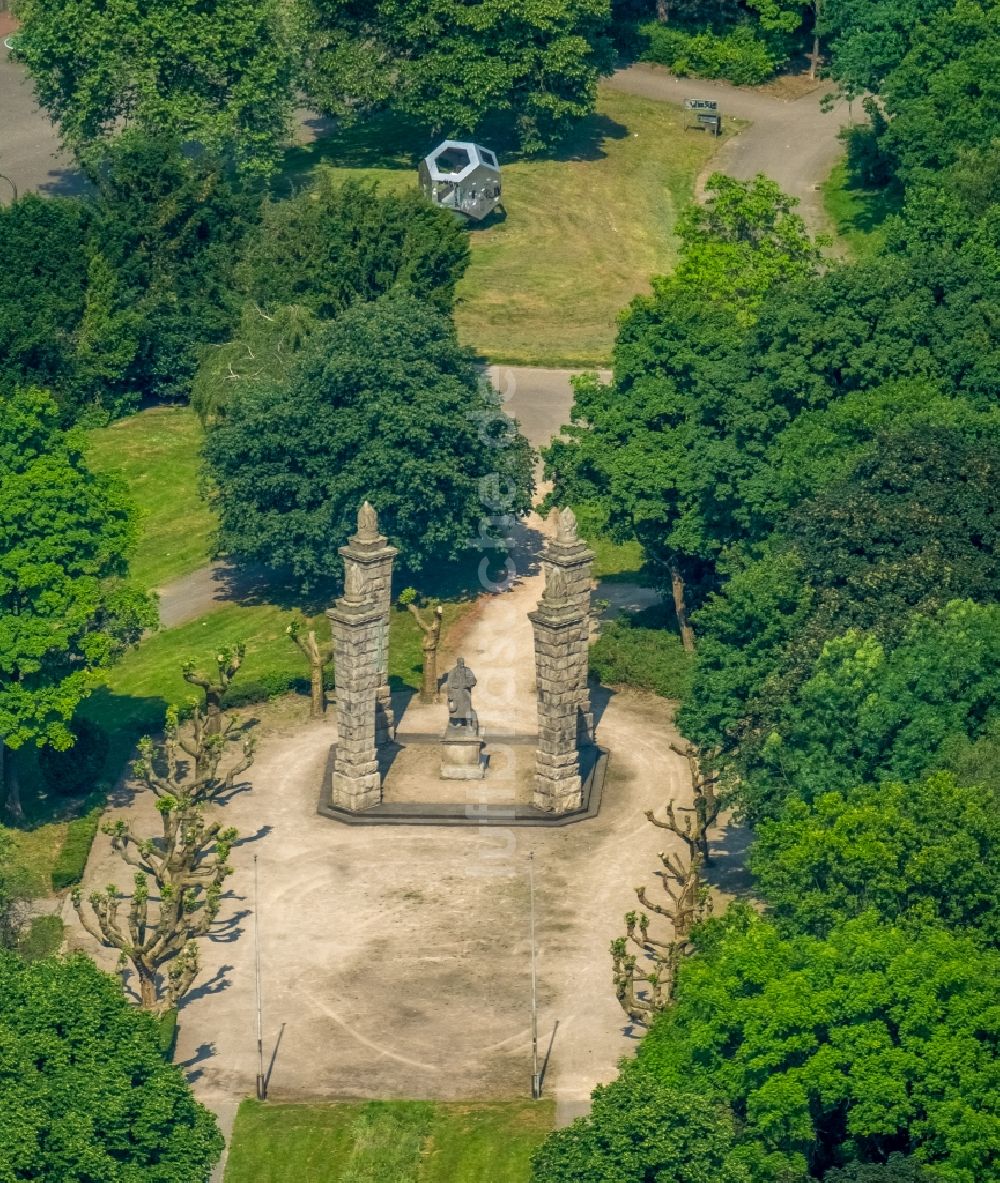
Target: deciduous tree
(924,849)
(219,74)
(85,1092)
(384,406)
(66,611)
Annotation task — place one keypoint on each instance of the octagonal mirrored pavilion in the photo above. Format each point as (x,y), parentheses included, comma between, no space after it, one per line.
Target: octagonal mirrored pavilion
(463,177)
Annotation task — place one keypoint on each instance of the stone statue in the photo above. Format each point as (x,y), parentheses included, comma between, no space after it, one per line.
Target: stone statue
(367,523)
(566,526)
(459,688)
(556,587)
(355,584)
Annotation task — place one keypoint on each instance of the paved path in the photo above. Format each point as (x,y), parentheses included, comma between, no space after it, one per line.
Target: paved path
(790,140)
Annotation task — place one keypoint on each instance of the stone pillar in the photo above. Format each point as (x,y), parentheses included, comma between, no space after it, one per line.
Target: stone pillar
(570,555)
(359,622)
(561,625)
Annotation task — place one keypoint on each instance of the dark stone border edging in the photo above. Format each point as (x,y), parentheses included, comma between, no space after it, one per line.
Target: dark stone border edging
(472,813)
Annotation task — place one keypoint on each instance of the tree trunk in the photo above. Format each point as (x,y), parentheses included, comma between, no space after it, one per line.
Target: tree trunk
(213,709)
(11,781)
(814,56)
(147,989)
(317,705)
(429,689)
(680,610)
(662,11)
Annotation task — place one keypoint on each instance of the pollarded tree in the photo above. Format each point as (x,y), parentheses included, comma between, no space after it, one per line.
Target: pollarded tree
(385,406)
(303,637)
(228,661)
(65,609)
(85,1092)
(194,767)
(220,74)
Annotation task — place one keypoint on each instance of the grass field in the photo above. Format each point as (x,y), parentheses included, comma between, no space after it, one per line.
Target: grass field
(582,234)
(158,453)
(857,215)
(387,1142)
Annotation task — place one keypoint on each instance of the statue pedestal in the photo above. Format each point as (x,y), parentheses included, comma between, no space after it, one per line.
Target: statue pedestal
(462,754)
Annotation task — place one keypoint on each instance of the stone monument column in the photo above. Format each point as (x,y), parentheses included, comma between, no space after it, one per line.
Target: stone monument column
(567,553)
(561,625)
(359,622)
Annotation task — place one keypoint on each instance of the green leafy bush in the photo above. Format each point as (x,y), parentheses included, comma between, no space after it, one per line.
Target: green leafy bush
(166,1026)
(645,658)
(42,939)
(268,686)
(75,772)
(73,857)
(740,55)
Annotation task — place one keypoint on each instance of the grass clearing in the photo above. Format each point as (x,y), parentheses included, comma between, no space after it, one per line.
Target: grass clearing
(614,562)
(581,236)
(858,215)
(35,853)
(387,1142)
(158,451)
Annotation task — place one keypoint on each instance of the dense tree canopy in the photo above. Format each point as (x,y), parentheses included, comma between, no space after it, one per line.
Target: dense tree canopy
(930,848)
(42,289)
(638,1129)
(85,1093)
(384,405)
(521,71)
(164,231)
(218,73)
(65,610)
(336,243)
(944,94)
(873,1041)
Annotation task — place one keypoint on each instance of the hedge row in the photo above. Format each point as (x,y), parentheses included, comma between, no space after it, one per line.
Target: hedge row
(739,56)
(72,859)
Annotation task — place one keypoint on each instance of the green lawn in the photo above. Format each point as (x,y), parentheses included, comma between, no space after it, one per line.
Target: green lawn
(582,235)
(858,215)
(387,1142)
(148,678)
(158,452)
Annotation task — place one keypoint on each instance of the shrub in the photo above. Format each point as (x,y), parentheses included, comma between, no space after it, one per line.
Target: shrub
(72,860)
(74,772)
(263,688)
(740,55)
(166,1026)
(42,939)
(645,658)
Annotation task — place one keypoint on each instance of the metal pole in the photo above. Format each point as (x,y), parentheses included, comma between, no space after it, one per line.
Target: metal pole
(261,1082)
(536,1083)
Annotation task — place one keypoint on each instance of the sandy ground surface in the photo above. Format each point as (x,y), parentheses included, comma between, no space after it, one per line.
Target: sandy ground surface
(395,961)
